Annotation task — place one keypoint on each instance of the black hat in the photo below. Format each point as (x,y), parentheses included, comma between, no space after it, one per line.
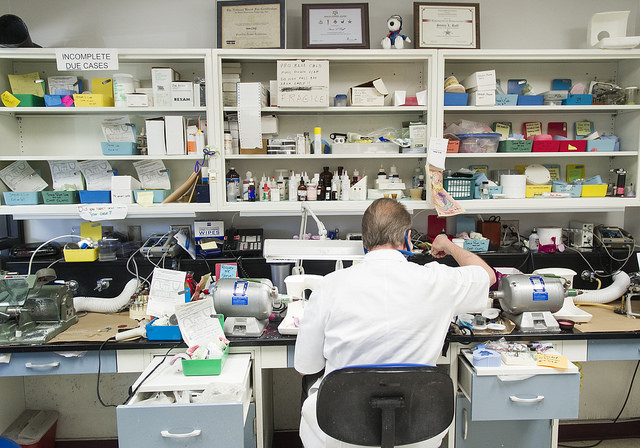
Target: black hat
(14,32)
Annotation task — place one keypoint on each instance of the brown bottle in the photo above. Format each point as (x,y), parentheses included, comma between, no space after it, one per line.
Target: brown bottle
(325,179)
(302,191)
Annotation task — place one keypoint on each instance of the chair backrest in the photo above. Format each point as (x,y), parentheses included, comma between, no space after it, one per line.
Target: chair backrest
(385,405)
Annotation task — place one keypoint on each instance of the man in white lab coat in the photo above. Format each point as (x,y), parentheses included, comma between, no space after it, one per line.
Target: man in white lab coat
(385,310)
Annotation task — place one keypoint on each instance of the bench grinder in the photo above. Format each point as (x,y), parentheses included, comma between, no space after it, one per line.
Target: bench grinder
(530,300)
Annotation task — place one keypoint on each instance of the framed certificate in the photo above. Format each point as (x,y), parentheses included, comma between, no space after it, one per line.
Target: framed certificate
(251,24)
(335,25)
(446,25)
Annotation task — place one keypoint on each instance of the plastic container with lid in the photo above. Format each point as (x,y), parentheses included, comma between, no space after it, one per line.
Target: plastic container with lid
(487,142)
(340,101)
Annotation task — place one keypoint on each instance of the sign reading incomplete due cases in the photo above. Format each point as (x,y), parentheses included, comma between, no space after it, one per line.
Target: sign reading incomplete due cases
(303,83)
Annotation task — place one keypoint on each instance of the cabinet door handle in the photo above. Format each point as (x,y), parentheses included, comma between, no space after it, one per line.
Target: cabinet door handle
(170,435)
(517,399)
(507,378)
(30,365)
(465,430)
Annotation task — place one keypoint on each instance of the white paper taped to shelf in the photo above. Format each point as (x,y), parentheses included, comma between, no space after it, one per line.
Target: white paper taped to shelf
(152,174)
(65,173)
(437,152)
(249,114)
(98,212)
(80,59)
(303,83)
(19,176)
(97,174)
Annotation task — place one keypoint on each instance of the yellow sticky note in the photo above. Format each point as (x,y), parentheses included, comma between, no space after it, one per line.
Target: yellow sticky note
(503,130)
(104,87)
(555,361)
(9,100)
(29,83)
(91,230)
(145,198)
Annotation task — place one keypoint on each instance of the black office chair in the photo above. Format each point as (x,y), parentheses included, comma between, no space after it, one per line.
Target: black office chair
(385,405)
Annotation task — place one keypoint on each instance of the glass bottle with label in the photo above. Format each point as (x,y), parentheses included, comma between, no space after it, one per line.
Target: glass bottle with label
(302,191)
(325,181)
(233,185)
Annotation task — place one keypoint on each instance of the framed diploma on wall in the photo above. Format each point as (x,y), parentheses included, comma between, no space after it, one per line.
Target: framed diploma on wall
(335,25)
(251,24)
(446,25)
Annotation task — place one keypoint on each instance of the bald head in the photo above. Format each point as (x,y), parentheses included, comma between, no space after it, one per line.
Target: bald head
(384,223)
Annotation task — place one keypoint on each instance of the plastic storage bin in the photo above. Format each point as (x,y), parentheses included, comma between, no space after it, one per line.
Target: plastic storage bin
(478,143)
(515,146)
(163,332)
(75,255)
(455,99)
(574,190)
(476,245)
(545,146)
(530,100)
(60,197)
(22,197)
(533,190)
(28,100)
(459,187)
(594,191)
(493,189)
(572,145)
(95,197)
(200,367)
(577,100)
(506,100)
(608,145)
(119,148)
(453,146)
(158,195)
(33,429)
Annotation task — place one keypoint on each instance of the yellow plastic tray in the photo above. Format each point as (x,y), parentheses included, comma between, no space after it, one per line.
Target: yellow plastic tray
(594,191)
(533,190)
(71,255)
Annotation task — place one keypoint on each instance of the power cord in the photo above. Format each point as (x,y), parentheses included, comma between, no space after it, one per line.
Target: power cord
(112,338)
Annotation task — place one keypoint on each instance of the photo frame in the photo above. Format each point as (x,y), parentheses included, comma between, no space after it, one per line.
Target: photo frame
(335,25)
(251,24)
(446,25)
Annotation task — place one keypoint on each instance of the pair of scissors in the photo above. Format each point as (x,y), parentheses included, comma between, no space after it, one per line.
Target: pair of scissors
(494,218)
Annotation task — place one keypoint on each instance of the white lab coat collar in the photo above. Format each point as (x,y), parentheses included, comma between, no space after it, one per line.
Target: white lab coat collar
(385,254)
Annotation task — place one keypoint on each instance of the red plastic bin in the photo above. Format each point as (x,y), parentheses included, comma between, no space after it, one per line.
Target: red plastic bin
(572,145)
(545,146)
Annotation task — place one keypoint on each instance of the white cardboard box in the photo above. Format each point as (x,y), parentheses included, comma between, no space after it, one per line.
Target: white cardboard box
(182,94)
(485,78)
(155,137)
(175,134)
(482,98)
(125,183)
(161,79)
(208,229)
(137,100)
(121,196)
(370,93)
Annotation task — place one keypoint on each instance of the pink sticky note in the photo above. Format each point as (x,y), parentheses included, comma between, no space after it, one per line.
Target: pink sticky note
(67,101)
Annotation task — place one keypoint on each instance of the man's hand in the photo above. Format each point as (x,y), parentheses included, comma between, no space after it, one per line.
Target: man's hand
(441,246)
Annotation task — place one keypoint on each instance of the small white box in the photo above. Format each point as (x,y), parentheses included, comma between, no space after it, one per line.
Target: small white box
(125,183)
(482,98)
(147,91)
(155,137)
(421,96)
(269,124)
(137,100)
(273,92)
(175,134)
(208,229)
(486,79)
(182,94)
(161,79)
(371,93)
(418,134)
(121,196)
(399,97)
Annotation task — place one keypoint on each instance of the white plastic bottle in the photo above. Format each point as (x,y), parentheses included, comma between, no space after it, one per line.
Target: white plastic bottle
(317,141)
(534,241)
(346,186)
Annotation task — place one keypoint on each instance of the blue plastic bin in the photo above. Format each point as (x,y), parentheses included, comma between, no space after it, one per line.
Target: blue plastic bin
(530,100)
(455,99)
(95,197)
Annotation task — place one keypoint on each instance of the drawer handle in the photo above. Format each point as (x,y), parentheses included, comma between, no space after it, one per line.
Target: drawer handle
(30,365)
(507,378)
(517,399)
(170,435)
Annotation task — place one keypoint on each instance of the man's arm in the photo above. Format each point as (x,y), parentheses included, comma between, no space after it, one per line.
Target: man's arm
(442,246)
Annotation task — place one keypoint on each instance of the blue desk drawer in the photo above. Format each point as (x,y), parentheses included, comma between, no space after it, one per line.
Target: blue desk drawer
(554,395)
(51,363)
(613,349)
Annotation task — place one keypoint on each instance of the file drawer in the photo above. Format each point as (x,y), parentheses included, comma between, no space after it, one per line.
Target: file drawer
(613,349)
(52,363)
(222,422)
(519,393)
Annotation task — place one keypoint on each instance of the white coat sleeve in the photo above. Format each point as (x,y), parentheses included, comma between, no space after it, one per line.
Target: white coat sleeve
(309,352)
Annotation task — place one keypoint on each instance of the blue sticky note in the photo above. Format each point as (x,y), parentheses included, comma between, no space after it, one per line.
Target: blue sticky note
(228,271)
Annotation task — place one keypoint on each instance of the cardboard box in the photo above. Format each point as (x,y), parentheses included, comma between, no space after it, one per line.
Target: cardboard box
(175,131)
(483,80)
(161,79)
(137,100)
(482,98)
(370,93)
(269,124)
(208,229)
(125,183)
(155,137)
(262,150)
(147,91)
(182,94)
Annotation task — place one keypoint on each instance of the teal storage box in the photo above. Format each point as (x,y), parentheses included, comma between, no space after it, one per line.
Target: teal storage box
(477,245)
(95,197)
(530,100)
(493,189)
(60,197)
(575,191)
(455,99)
(158,195)
(608,145)
(515,145)
(22,197)
(578,100)
(506,100)
(119,148)
(163,332)
(27,100)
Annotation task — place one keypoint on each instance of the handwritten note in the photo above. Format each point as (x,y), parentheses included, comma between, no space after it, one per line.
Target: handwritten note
(303,83)
(166,292)
(97,212)
(533,128)
(9,100)
(29,84)
(152,174)
(199,323)
(19,176)
(118,129)
(554,361)
(97,174)
(66,175)
(437,153)
(226,270)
